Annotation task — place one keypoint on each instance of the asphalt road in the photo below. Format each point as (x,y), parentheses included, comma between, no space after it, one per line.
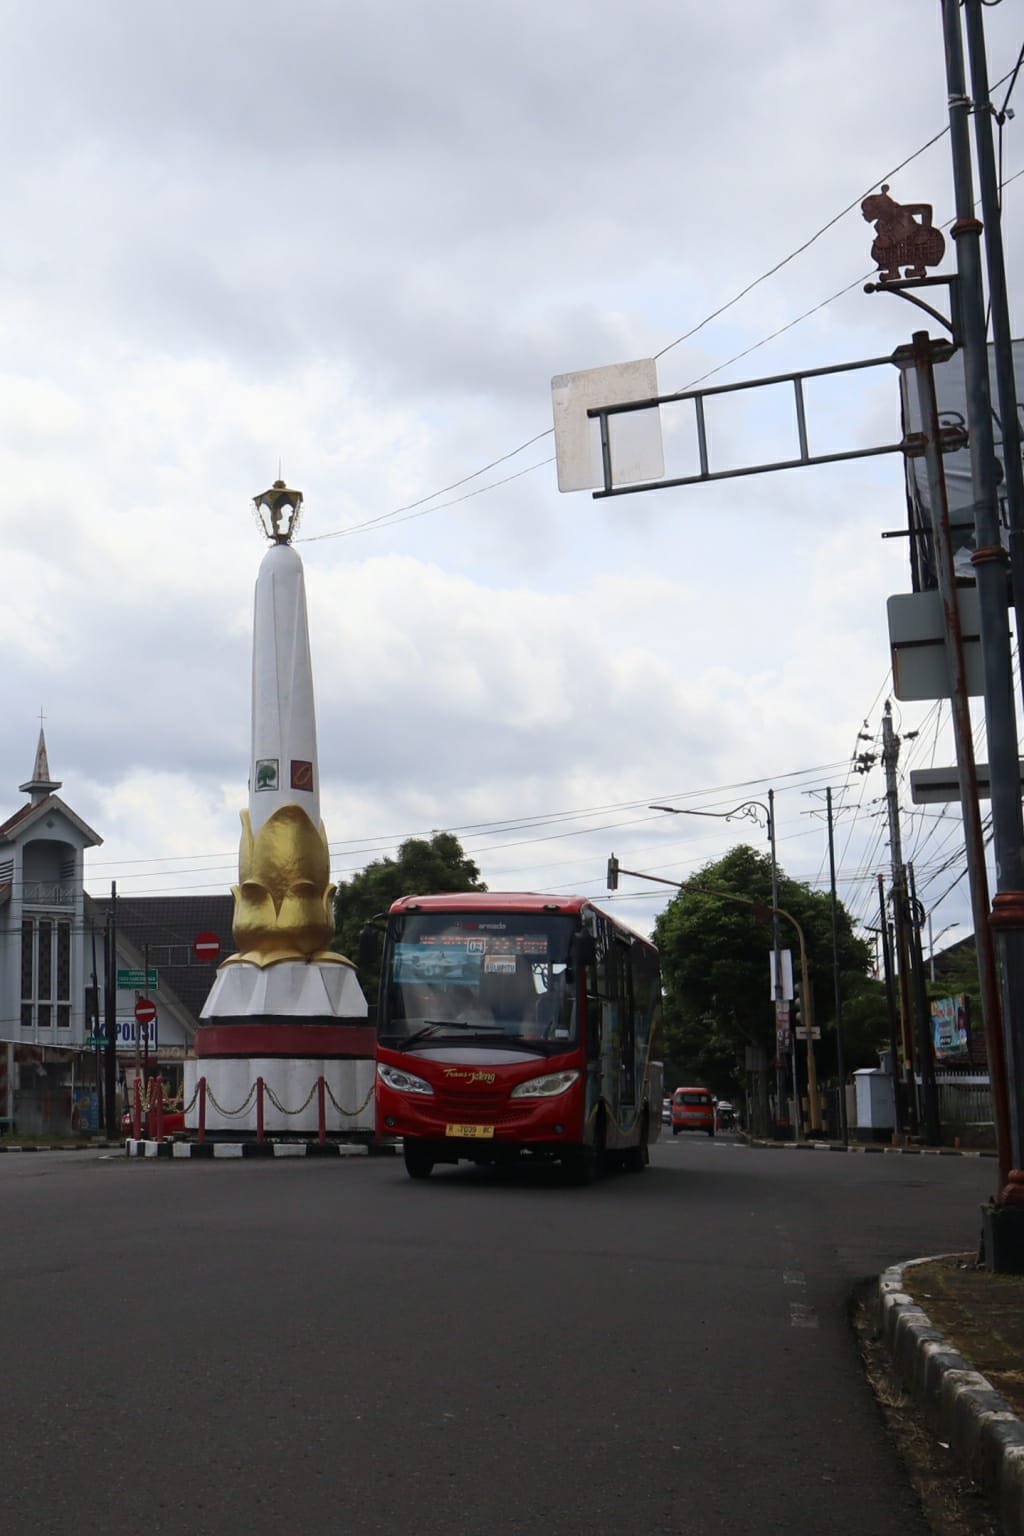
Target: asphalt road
(254,1347)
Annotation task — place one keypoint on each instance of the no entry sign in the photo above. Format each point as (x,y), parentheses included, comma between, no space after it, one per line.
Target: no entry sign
(145,1011)
(206,946)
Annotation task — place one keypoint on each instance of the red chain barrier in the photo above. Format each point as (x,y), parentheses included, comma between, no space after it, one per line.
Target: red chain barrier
(137,1111)
(157,1087)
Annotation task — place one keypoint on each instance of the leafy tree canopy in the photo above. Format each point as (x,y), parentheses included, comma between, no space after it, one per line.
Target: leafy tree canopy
(423,868)
(715,964)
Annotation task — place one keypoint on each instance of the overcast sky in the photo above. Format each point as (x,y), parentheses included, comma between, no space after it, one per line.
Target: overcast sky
(359,240)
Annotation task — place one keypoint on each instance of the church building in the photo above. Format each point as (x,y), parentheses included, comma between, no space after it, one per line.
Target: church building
(44,969)
(53,969)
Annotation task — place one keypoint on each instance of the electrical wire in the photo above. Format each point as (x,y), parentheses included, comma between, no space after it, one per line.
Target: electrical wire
(397,513)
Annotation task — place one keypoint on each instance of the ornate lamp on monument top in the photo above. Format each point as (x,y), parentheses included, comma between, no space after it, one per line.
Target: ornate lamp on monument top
(279,511)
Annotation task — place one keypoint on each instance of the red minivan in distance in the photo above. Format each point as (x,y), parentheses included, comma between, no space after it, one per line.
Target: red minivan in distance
(693,1109)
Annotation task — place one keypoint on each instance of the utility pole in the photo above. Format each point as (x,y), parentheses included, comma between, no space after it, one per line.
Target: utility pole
(110,1015)
(837,987)
(1002,339)
(926,1054)
(890,757)
(963,735)
(990,563)
(780,1065)
(898,1098)
(94,1030)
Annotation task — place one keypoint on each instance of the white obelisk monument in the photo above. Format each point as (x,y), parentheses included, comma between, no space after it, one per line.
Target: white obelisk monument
(285,1009)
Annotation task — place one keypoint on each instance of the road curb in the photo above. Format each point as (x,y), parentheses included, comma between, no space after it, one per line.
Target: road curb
(867,1147)
(66,1146)
(961,1406)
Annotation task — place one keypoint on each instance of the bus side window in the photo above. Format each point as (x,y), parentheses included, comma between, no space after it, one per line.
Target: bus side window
(598,992)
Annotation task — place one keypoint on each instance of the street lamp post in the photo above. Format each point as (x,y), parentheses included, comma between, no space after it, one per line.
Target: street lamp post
(615,870)
(932,943)
(749,809)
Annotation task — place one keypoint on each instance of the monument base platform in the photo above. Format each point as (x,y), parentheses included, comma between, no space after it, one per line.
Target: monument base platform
(294,1095)
(206,1150)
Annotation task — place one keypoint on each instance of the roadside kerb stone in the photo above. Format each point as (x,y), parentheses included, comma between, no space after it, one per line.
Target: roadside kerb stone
(961,1406)
(863,1147)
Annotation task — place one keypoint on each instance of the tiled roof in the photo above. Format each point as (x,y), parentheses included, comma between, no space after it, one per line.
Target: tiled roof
(170,925)
(32,811)
(12,821)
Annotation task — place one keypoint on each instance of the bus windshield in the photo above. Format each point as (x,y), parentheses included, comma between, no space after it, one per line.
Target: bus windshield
(496,977)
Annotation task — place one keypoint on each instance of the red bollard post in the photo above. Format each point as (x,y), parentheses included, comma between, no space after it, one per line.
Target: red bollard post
(321,1111)
(201,1089)
(259,1109)
(158,1089)
(137,1111)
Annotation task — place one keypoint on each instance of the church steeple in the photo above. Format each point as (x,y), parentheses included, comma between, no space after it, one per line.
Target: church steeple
(40,784)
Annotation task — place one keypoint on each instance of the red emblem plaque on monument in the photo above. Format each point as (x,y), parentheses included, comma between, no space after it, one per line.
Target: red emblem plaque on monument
(302,775)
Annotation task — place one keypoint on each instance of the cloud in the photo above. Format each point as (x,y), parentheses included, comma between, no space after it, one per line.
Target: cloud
(358,242)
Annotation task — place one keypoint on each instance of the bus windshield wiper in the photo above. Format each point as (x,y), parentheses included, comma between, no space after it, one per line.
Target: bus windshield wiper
(430,1027)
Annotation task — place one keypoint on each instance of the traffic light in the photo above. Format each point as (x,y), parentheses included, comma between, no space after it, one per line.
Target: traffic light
(797,1011)
(613,873)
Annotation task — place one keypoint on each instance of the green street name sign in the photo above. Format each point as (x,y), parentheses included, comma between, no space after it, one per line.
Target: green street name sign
(127,980)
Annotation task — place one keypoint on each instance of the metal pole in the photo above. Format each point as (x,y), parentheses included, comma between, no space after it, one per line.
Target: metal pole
(931,951)
(145,993)
(1002,349)
(890,757)
(110,1014)
(990,562)
(812,1069)
(836,982)
(974,837)
(94,1029)
(926,1056)
(899,1104)
(780,1069)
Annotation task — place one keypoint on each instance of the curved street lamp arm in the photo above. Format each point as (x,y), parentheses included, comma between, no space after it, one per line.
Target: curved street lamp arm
(748,808)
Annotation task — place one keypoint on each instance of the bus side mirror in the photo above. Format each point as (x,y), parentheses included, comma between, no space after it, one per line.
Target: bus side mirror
(584,950)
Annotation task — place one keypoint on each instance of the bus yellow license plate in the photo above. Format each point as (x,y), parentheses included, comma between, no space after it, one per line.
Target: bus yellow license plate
(479,1131)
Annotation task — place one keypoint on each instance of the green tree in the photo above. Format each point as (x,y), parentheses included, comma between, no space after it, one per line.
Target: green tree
(715,964)
(423,868)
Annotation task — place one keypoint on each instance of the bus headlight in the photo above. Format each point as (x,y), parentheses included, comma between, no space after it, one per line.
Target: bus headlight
(546,1087)
(402,1082)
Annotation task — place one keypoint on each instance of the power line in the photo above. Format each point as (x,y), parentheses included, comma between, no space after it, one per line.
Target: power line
(397,513)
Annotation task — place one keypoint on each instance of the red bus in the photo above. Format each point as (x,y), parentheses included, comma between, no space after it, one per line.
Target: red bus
(517,1026)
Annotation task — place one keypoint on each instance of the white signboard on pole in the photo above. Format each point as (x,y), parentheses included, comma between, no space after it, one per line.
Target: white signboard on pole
(637,452)
(786,968)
